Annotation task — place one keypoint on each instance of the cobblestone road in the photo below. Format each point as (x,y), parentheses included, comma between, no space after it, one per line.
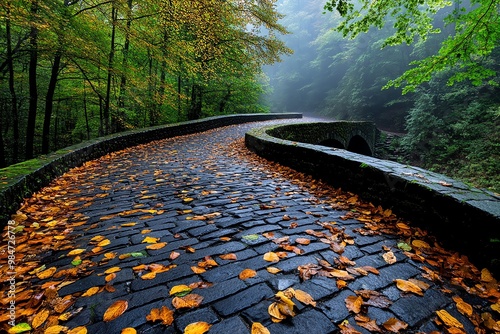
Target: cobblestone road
(196,198)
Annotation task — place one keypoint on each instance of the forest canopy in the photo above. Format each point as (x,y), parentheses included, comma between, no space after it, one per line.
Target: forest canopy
(72,70)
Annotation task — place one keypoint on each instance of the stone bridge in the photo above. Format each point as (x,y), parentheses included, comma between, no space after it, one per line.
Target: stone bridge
(357,137)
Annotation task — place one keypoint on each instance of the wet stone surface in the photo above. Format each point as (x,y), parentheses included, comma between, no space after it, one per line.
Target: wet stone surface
(203,200)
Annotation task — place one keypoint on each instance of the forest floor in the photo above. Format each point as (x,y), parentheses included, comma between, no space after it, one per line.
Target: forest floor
(195,233)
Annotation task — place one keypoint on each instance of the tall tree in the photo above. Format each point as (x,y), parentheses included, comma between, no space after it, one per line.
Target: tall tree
(33,90)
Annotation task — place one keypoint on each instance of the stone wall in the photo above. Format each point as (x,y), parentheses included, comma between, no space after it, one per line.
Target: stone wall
(14,189)
(465,218)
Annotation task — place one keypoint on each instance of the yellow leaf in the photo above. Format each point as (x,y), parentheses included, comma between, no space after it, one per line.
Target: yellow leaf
(486,276)
(146,231)
(199,327)
(188,199)
(304,298)
(20,328)
(420,244)
(448,319)
(56,329)
(273,270)
(150,240)
(149,276)
(128,224)
(180,289)
(408,286)
(92,291)
(113,270)
(103,243)
(115,310)
(40,318)
(496,307)
(77,251)
(46,273)
(271,257)
(354,303)
(98,238)
(156,246)
(258,328)
(128,330)
(78,330)
(165,315)
(247,273)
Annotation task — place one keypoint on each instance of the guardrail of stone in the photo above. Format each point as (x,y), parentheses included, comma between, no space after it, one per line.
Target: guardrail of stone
(23,179)
(464,218)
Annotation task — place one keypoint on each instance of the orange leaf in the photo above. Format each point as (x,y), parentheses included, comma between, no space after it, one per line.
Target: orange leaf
(76,252)
(303,241)
(198,270)
(341,284)
(463,307)
(40,318)
(57,329)
(486,276)
(394,325)
(103,243)
(78,330)
(199,327)
(273,270)
(258,328)
(230,256)
(448,319)
(113,270)
(165,315)
(110,277)
(354,303)
(115,310)
(271,257)
(304,298)
(420,244)
(225,238)
(148,276)
(156,246)
(92,291)
(46,273)
(189,301)
(247,273)
(408,286)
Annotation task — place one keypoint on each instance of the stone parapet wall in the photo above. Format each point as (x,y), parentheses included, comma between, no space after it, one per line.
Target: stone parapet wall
(465,218)
(14,189)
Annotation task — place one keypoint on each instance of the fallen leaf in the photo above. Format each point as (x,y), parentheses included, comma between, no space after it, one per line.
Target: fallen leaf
(20,328)
(198,270)
(389,257)
(408,286)
(77,251)
(341,284)
(56,329)
(113,270)
(103,243)
(273,270)
(159,245)
(199,327)
(78,330)
(304,298)
(174,255)
(91,291)
(258,328)
(150,240)
(165,315)
(354,303)
(110,277)
(420,244)
(180,290)
(246,274)
(448,319)
(46,273)
(486,276)
(128,330)
(40,318)
(189,301)
(394,325)
(230,256)
(271,257)
(149,276)
(422,285)
(496,307)
(463,307)
(115,310)
(367,323)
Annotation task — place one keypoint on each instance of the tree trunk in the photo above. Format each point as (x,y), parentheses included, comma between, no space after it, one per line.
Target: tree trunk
(30,130)
(15,112)
(123,79)
(196,102)
(224,101)
(114,14)
(49,100)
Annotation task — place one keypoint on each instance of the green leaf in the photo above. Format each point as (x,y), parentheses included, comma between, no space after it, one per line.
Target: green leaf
(139,254)
(76,262)
(20,328)
(251,237)
(404,246)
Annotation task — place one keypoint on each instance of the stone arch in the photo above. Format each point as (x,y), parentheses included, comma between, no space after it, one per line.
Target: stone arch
(331,142)
(358,144)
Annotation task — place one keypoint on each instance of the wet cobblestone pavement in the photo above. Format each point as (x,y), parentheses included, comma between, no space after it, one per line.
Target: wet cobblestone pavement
(195,211)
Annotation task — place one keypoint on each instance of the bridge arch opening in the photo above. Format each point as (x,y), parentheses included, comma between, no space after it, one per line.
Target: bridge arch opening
(332,143)
(358,145)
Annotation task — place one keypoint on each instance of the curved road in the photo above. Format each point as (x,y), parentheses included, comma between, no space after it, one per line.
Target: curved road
(142,221)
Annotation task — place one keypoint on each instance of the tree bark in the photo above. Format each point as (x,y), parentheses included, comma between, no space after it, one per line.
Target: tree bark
(123,79)
(33,101)
(196,102)
(14,110)
(114,14)
(49,100)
